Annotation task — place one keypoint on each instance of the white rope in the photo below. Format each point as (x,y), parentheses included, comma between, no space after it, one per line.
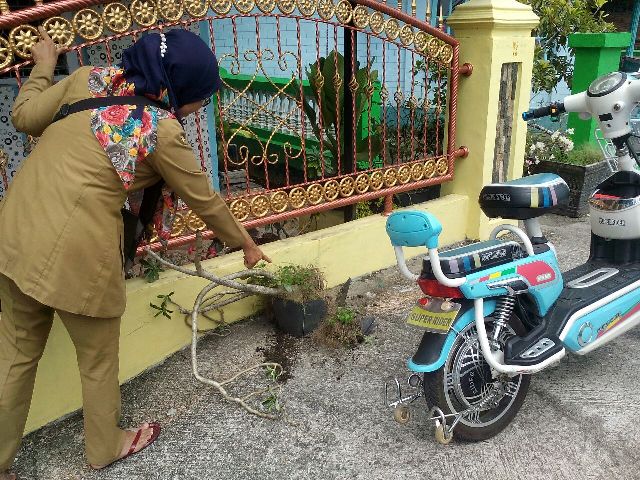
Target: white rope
(216,302)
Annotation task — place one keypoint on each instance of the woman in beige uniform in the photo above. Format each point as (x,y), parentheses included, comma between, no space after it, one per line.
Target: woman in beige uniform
(61,229)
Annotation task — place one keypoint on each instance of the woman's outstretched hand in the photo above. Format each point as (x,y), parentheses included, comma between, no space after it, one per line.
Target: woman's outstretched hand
(46,52)
(253,254)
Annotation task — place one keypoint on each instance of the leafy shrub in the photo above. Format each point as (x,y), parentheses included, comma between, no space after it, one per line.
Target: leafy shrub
(299,283)
(559,19)
(585,155)
(545,145)
(341,329)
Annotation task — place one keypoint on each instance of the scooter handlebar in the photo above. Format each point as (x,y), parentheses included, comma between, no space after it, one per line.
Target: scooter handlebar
(553,109)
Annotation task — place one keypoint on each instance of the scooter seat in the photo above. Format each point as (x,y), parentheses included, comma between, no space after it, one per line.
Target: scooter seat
(524,198)
(472,258)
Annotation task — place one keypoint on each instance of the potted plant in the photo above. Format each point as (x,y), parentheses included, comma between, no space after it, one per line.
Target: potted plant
(583,168)
(301,307)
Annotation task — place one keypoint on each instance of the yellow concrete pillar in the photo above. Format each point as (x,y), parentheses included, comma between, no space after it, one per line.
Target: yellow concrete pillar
(495,37)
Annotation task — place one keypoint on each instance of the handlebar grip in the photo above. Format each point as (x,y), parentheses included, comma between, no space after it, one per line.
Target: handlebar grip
(553,109)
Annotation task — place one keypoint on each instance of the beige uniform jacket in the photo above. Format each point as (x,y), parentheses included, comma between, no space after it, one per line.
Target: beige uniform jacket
(61,230)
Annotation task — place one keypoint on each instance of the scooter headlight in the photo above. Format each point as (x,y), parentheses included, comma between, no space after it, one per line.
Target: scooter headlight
(606,84)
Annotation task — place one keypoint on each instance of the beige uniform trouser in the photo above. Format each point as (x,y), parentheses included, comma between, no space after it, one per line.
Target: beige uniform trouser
(24,327)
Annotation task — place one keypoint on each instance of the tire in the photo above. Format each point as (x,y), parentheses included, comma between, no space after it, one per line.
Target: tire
(461,394)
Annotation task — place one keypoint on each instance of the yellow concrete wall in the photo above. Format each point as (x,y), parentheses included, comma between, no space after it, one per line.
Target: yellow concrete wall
(491,33)
(342,251)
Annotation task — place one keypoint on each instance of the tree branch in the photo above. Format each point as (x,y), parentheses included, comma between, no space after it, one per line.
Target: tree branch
(216,301)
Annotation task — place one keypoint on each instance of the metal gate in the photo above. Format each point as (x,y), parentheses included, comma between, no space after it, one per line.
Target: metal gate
(324,104)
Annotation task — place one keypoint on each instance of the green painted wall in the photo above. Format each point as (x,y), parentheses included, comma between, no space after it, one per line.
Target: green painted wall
(595,54)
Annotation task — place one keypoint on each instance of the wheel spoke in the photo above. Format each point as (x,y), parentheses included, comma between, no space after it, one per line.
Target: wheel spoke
(485,389)
(511,388)
(474,399)
(471,358)
(470,336)
(473,416)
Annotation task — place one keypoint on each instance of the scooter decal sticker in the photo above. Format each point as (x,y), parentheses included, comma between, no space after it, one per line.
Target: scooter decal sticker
(534,197)
(554,198)
(508,271)
(466,262)
(453,266)
(537,273)
(617,320)
(543,196)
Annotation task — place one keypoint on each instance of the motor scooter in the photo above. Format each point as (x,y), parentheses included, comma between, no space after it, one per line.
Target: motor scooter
(496,311)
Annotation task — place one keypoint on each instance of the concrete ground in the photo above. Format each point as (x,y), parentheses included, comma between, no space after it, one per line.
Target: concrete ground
(578,421)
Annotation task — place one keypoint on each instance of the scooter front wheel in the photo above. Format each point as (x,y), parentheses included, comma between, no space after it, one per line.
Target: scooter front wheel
(465,385)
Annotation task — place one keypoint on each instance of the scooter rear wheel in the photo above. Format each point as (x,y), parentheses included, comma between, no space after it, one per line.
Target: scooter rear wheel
(466,380)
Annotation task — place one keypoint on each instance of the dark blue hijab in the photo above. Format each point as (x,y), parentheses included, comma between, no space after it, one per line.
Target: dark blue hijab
(187,67)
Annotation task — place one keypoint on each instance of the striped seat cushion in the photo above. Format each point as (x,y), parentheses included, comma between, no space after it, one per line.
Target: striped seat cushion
(477,256)
(524,198)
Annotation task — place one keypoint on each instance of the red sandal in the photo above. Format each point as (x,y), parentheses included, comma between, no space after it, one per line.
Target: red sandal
(155,427)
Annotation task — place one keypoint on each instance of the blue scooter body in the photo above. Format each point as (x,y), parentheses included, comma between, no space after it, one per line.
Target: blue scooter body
(434,347)
(541,271)
(595,328)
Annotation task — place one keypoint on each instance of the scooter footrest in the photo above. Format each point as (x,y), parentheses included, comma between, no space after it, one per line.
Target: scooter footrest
(533,349)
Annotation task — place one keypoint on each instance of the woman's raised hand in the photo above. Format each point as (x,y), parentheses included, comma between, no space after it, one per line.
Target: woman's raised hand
(46,52)
(253,254)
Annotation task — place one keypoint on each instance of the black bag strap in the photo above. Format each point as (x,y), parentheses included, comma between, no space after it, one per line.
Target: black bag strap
(99,102)
(135,227)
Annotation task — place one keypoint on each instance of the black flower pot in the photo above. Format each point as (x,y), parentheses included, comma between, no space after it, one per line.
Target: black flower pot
(298,319)
(582,181)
